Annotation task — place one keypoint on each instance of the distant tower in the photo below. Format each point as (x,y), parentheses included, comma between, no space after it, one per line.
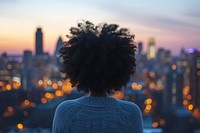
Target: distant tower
(140,48)
(151,53)
(58,46)
(183,53)
(39,42)
(161,54)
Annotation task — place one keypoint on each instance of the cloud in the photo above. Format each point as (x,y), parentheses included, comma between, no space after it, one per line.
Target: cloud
(194,14)
(160,17)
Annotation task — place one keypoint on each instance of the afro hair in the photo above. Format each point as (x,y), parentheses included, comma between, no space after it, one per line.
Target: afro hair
(98,58)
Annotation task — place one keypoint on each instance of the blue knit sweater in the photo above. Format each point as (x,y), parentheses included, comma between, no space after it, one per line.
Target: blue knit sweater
(90,114)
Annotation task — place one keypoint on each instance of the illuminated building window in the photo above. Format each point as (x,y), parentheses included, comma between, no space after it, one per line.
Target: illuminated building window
(151,49)
(173,100)
(173,90)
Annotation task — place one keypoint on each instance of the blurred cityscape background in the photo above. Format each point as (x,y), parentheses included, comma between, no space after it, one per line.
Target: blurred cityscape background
(166,85)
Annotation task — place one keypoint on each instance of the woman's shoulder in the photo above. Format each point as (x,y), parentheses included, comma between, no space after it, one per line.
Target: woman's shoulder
(67,104)
(129,106)
(66,109)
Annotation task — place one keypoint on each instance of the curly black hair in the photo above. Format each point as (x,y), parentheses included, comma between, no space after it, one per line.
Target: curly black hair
(98,58)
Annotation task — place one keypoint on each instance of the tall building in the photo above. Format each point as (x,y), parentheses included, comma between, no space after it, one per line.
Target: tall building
(195,77)
(58,46)
(27,72)
(161,54)
(174,87)
(39,42)
(140,48)
(151,53)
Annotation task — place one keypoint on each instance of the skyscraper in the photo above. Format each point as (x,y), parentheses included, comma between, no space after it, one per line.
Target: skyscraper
(140,48)
(39,42)
(151,53)
(174,88)
(58,46)
(27,71)
(194,56)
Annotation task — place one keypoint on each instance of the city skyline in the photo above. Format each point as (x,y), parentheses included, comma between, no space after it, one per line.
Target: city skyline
(173,24)
(164,87)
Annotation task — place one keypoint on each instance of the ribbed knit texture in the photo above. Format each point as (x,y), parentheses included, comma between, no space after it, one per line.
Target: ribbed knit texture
(97,115)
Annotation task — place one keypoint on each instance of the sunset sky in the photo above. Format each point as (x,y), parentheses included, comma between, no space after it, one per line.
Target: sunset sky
(174,24)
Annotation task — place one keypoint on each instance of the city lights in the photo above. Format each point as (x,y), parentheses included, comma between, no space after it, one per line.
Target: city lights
(43,100)
(148,101)
(67,87)
(8,87)
(40,82)
(20,126)
(152,74)
(136,86)
(148,105)
(26,102)
(152,85)
(155,124)
(16,79)
(190,107)
(162,122)
(60,83)
(118,95)
(164,85)
(1,83)
(10,109)
(59,93)
(185,102)
(173,67)
(186,90)
(189,97)
(49,95)
(55,86)
(166,81)
(49,82)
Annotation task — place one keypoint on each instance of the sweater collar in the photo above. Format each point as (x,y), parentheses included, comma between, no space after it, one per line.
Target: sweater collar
(97,101)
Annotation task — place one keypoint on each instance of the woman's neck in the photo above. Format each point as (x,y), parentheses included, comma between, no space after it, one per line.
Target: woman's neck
(99,94)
